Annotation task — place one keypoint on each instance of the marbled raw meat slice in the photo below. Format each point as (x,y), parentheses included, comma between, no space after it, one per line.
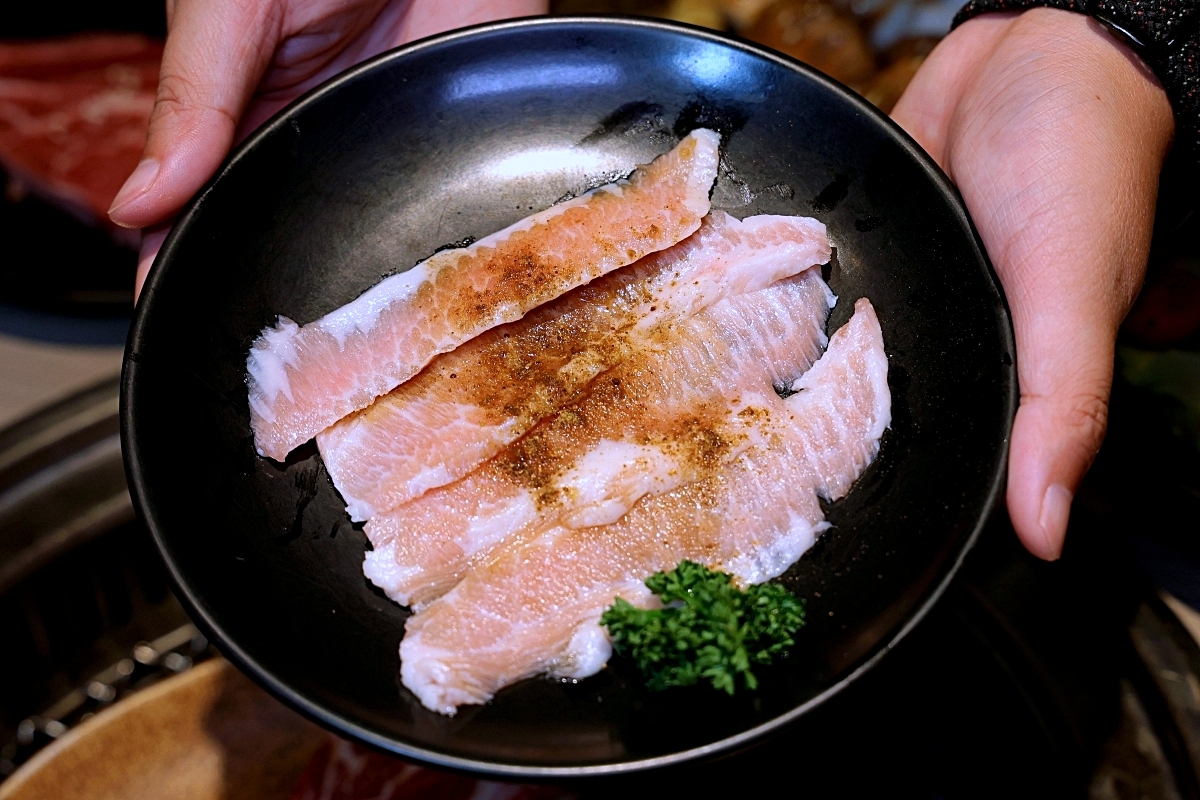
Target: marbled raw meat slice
(301,380)
(535,607)
(469,403)
(656,421)
(73,118)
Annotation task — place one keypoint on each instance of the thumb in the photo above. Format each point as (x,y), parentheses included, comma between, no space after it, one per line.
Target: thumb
(215,56)
(152,241)
(1066,375)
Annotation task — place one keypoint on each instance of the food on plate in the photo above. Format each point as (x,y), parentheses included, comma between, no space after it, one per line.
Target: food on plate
(621,397)
(535,606)
(690,402)
(301,380)
(706,629)
(468,404)
(73,118)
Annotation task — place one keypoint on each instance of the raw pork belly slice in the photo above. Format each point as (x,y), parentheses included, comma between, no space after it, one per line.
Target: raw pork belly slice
(73,118)
(656,421)
(469,403)
(536,607)
(301,380)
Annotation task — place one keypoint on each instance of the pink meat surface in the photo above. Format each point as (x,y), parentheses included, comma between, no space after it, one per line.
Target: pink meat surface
(660,419)
(301,380)
(74,114)
(466,405)
(534,607)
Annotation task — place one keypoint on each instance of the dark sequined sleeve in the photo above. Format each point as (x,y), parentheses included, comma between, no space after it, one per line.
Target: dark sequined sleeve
(1165,33)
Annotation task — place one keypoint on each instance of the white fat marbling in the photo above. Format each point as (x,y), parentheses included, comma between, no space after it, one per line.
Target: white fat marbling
(590,648)
(751,258)
(361,314)
(877,370)
(586,654)
(267,365)
(764,563)
(428,478)
(427,673)
(607,480)
(380,567)
(496,522)
(359,510)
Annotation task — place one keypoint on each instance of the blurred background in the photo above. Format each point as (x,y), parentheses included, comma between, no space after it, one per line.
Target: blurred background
(1078,678)
(872,46)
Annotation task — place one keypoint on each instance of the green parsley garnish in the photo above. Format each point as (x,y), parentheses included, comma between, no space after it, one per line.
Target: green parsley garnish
(708,629)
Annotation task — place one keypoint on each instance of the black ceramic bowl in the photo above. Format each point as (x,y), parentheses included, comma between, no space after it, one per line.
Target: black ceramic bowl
(459,136)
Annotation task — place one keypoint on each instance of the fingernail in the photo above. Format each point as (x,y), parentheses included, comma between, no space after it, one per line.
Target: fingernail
(137,183)
(1056,510)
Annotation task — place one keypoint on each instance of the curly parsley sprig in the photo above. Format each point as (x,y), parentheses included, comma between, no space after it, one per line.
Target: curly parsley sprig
(708,629)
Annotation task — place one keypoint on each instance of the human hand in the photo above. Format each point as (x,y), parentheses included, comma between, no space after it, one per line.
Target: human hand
(230,64)
(1055,135)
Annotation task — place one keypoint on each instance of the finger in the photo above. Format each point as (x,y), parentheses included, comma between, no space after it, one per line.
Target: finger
(1070,282)
(1066,377)
(1057,149)
(152,242)
(429,17)
(216,53)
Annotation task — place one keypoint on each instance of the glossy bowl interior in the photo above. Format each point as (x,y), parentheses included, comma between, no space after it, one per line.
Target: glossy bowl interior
(457,137)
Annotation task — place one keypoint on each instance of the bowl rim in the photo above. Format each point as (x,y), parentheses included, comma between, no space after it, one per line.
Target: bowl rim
(517,771)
